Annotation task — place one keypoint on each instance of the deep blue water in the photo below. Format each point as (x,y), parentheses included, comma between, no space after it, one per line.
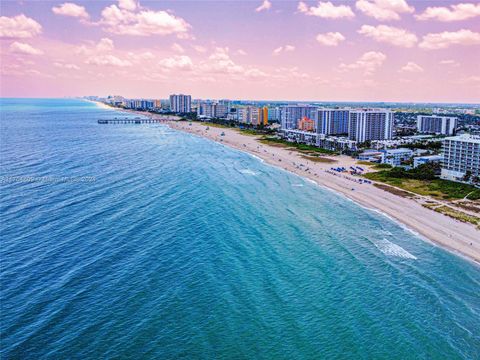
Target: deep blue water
(137,241)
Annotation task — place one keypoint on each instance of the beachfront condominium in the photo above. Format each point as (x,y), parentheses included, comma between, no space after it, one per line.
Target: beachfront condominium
(209,109)
(264,116)
(291,115)
(180,103)
(370,124)
(433,124)
(461,155)
(332,121)
(274,114)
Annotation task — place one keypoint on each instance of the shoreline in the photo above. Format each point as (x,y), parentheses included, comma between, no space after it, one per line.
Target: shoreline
(461,239)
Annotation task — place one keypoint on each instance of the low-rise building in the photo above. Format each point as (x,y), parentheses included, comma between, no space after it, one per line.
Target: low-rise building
(334,143)
(420,160)
(396,157)
(306,124)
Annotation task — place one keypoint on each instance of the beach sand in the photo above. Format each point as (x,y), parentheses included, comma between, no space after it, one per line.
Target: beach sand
(458,237)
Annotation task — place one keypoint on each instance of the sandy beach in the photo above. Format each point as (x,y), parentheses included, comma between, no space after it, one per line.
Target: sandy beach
(458,237)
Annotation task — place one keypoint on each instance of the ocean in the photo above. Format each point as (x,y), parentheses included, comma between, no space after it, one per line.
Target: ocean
(141,242)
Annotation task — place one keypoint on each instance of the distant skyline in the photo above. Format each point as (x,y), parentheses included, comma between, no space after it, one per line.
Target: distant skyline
(365,50)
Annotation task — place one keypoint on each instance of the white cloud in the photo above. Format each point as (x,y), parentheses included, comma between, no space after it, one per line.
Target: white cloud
(107,60)
(129,5)
(182,62)
(286,48)
(19,26)
(389,34)
(456,12)
(326,10)
(66,66)
(200,49)
(411,67)
(178,48)
(71,9)
(443,40)
(369,62)
(330,38)
(384,9)
(266,5)
(23,48)
(449,62)
(130,19)
(105,44)
(241,52)
(220,62)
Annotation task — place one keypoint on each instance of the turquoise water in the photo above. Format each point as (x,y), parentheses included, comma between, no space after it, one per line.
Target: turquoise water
(137,241)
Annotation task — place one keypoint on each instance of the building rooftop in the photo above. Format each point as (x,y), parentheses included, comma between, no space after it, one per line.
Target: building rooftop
(466,138)
(399,150)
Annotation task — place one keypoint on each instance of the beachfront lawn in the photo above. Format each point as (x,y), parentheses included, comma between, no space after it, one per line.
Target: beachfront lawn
(436,188)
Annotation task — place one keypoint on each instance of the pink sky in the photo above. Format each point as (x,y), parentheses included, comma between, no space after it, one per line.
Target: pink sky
(365,50)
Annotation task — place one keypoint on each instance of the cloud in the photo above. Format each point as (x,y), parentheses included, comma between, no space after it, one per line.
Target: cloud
(286,48)
(435,41)
(66,66)
(177,48)
(330,38)
(130,19)
(105,44)
(71,9)
(369,62)
(19,26)
(129,5)
(266,5)
(220,62)
(456,12)
(449,62)
(241,52)
(107,60)
(326,10)
(389,34)
(23,48)
(182,62)
(384,9)
(411,67)
(199,48)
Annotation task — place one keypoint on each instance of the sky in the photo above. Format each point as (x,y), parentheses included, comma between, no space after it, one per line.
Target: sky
(357,50)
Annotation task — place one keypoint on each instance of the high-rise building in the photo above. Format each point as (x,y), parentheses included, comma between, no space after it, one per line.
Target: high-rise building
(460,154)
(332,121)
(370,124)
(274,114)
(291,115)
(180,103)
(264,116)
(249,115)
(432,124)
(157,104)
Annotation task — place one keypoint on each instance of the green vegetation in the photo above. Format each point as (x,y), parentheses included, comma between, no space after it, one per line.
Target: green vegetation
(455,214)
(251,132)
(319,159)
(269,140)
(375,165)
(430,145)
(394,190)
(422,181)
(216,125)
(382,166)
